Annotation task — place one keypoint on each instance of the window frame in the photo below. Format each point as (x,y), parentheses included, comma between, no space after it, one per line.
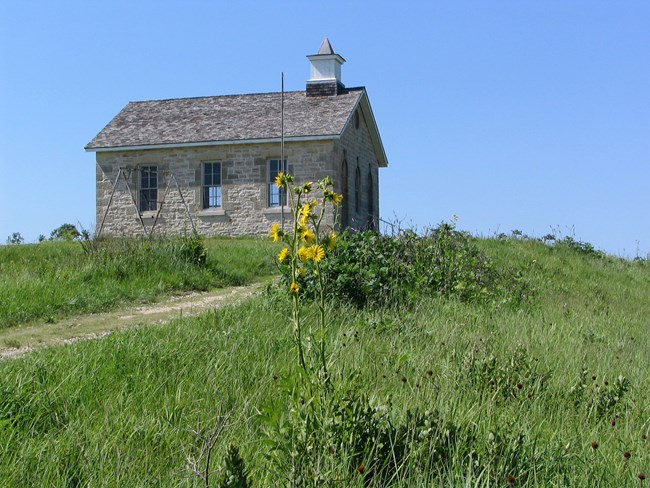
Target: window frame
(147,191)
(206,187)
(345,205)
(357,189)
(273,193)
(371,194)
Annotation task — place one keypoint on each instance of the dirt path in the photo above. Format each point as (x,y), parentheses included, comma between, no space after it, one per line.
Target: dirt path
(16,341)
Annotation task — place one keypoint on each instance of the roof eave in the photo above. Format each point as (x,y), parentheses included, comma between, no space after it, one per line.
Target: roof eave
(269,140)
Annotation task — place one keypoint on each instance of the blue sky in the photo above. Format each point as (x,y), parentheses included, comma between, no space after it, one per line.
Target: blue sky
(510,115)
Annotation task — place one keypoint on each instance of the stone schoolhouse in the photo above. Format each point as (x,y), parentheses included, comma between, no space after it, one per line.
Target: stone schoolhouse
(210,162)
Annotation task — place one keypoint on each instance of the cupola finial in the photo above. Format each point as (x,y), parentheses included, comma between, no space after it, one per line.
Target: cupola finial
(325,47)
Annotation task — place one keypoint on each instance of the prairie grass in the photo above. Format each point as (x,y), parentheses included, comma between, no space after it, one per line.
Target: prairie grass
(552,393)
(51,280)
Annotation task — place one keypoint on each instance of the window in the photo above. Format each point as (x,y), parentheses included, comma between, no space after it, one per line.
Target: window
(211,185)
(371,201)
(344,191)
(148,188)
(371,195)
(357,188)
(277,196)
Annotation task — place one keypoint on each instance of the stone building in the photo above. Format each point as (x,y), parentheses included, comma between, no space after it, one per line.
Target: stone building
(210,162)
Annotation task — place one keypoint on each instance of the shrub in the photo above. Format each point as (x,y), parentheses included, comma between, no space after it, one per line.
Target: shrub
(191,249)
(65,232)
(368,269)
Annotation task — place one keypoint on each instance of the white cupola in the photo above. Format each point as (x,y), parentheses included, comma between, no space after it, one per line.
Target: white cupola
(325,74)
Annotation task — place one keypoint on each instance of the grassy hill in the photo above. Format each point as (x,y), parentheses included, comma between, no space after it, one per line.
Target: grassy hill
(51,280)
(549,390)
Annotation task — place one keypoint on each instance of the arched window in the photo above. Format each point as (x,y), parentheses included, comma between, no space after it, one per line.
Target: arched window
(371,196)
(345,205)
(357,188)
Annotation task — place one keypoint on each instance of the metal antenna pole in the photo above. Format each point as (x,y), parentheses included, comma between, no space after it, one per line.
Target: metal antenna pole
(282,168)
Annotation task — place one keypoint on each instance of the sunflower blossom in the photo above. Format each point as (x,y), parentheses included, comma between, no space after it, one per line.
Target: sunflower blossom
(280,180)
(305,211)
(305,253)
(294,288)
(307,236)
(319,253)
(282,255)
(275,232)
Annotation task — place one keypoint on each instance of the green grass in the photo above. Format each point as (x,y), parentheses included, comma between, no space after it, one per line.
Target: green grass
(51,280)
(513,384)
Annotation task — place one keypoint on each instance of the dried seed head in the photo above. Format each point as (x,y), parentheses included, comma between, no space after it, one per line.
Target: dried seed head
(594,445)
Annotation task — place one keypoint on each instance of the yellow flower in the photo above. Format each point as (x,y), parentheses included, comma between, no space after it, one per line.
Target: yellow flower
(275,232)
(280,180)
(305,211)
(336,198)
(319,253)
(305,254)
(307,236)
(331,241)
(282,256)
(294,288)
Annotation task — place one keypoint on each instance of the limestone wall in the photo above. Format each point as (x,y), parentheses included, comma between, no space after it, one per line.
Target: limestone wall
(355,147)
(244,209)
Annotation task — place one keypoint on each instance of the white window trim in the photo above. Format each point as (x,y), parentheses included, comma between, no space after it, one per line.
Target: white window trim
(211,210)
(147,214)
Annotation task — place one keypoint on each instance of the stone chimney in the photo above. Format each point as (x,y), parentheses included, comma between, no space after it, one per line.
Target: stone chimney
(325,79)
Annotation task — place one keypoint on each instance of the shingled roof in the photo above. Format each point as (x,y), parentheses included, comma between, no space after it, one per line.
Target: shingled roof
(230,118)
